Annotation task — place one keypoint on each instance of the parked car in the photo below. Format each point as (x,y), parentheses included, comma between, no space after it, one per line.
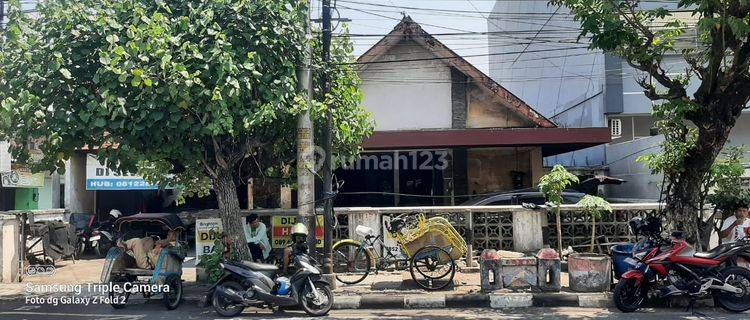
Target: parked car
(517,197)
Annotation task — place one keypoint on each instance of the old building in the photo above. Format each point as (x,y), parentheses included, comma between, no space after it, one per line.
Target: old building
(445,130)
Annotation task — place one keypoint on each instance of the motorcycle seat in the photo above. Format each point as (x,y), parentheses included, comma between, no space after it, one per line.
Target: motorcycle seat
(259,266)
(715,252)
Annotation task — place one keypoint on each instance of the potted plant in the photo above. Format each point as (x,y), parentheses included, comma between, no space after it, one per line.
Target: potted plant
(596,207)
(552,186)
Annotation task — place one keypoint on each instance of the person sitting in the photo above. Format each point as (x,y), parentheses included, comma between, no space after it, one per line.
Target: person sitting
(297,244)
(145,250)
(734,227)
(257,238)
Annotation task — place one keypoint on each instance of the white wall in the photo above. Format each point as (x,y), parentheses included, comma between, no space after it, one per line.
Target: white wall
(408,95)
(640,183)
(562,80)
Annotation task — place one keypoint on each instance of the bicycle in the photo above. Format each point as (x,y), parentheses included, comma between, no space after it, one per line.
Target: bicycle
(432,265)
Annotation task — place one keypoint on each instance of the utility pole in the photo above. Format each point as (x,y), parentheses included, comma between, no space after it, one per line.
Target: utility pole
(327,146)
(305,153)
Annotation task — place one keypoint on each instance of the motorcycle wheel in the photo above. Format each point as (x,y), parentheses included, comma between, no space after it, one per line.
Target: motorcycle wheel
(627,296)
(309,304)
(102,248)
(224,307)
(735,302)
(80,248)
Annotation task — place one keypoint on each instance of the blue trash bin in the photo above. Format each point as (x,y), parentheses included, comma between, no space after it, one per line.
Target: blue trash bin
(621,252)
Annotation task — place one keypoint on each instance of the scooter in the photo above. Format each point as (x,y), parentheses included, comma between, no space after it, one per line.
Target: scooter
(249,284)
(101,238)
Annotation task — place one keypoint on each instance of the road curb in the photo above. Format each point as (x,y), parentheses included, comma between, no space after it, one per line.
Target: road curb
(475,300)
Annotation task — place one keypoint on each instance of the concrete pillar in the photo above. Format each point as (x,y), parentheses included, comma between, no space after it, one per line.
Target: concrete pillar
(537,165)
(56,190)
(367,219)
(10,250)
(250,204)
(77,198)
(527,230)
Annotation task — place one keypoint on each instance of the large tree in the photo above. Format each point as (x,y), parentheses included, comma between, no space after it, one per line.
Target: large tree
(695,123)
(190,93)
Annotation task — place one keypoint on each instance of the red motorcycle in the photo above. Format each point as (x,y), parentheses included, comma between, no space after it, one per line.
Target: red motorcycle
(670,267)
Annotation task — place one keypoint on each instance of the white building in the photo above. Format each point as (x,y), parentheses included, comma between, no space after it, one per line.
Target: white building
(577,87)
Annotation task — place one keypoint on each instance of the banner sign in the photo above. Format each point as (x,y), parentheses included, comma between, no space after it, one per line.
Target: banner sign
(282,230)
(21,177)
(99,177)
(204,238)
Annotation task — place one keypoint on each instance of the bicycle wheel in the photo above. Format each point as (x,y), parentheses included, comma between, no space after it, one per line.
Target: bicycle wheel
(432,268)
(351,262)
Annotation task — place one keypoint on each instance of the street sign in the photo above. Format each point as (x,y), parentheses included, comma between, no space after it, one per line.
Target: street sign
(99,177)
(204,237)
(282,229)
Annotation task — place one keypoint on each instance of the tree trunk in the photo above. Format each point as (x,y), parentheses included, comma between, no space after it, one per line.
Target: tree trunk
(683,205)
(229,205)
(559,229)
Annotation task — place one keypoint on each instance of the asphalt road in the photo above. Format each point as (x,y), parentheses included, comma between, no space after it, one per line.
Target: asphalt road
(19,309)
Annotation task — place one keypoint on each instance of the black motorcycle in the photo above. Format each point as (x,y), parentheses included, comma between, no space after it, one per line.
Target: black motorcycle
(101,238)
(249,284)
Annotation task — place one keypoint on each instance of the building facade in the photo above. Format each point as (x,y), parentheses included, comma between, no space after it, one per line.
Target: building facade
(445,131)
(575,86)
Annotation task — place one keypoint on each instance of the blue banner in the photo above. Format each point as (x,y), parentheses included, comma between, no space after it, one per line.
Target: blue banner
(119,184)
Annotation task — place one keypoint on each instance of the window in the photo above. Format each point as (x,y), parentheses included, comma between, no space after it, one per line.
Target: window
(615,127)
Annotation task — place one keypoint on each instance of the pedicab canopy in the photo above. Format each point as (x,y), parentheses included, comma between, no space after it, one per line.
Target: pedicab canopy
(169,220)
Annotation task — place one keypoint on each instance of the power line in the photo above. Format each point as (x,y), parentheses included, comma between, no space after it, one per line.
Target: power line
(454,57)
(536,34)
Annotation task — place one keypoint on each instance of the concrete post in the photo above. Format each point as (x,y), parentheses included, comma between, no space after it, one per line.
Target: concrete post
(537,165)
(367,219)
(10,250)
(250,199)
(77,198)
(55,190)
(527,231)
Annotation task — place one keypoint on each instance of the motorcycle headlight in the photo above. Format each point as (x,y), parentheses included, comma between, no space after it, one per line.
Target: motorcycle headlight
(309,267)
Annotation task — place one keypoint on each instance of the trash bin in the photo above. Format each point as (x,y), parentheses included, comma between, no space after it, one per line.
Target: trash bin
(621,252)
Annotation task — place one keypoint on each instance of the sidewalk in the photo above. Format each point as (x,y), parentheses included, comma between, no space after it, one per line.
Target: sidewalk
(69,273)
(385,290)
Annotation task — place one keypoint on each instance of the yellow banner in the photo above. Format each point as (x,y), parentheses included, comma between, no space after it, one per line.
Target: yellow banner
(282,230)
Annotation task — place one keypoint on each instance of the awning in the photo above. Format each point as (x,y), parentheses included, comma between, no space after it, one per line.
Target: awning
(552,140)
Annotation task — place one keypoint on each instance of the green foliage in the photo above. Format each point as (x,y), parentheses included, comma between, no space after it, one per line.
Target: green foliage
(183,89)
(210,262)
(595,206)
(697,102)
(726,174)
(555,182)
(679,137)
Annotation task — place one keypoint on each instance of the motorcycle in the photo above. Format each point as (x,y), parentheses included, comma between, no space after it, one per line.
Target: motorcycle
(249,284)
(101,238)
(669,267)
